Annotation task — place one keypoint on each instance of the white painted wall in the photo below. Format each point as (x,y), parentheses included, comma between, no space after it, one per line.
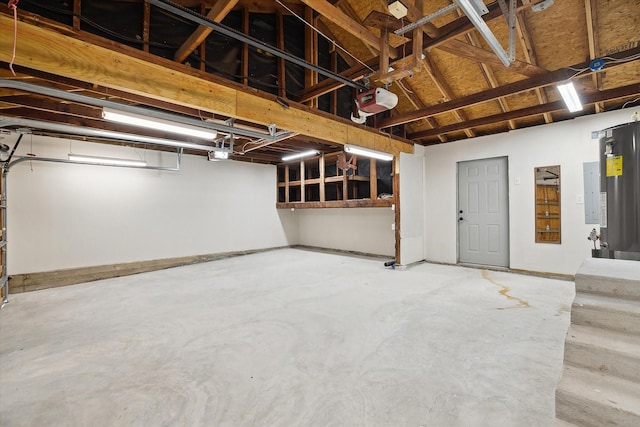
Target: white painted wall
(365,230)
(412,206)
(66,216)
(566,143)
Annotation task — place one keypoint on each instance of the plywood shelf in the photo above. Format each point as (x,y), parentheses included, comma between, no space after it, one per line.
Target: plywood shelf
(317,183)
(547,207)
(355,203)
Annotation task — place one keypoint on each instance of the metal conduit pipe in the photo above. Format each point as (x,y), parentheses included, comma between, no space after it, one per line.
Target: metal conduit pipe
(99,133)
(83,99)
(74,162)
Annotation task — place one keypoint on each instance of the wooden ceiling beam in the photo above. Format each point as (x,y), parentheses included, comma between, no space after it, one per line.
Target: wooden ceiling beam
(347,23)
(164,80)
(478,54)
(531,57)
(531,83)
(594,45)
(491,80)
(445,90)
(217,13)
(417,103)
(602,96)
(455,28)
(347,9)
(354,73)
(340,48)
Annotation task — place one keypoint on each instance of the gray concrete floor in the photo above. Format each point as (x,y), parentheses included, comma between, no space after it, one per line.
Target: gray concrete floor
(287,338)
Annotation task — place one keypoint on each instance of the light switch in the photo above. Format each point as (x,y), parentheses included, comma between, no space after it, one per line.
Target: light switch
(516,180)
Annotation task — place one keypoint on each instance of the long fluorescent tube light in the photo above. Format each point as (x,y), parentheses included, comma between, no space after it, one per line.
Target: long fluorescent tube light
(474,16)
(570,96)
(367,152)
(157,124)
(107,160)
(299,155)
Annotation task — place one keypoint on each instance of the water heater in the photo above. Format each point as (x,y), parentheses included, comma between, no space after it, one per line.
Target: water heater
(620,192)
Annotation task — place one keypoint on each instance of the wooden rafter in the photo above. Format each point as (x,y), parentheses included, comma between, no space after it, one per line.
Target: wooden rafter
(282,78)
(530,55)
(322,27)
(594,46)
(491,80)
(407,90)
(606,95)
(164,80)
(478,54)
(348,10)
(345,22)
(310,55)
(217,13)
(447,93)
(542,80)
(457,27)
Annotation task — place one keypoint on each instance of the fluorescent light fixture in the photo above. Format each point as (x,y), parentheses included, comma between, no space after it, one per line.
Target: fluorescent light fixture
(474,9)
(570,96)
(218,155)
(157,124)
(367,152)
(300,155)
(110,161)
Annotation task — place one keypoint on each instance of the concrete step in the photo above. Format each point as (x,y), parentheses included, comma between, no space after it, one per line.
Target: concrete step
(612,277)
(606,312)
(589,398)
(608,352)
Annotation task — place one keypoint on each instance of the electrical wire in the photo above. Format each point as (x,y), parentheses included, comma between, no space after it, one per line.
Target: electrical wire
(630,102)
(13,5)
(609,59)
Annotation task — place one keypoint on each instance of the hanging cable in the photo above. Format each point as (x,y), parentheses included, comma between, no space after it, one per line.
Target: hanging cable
(13,4)
(322,34)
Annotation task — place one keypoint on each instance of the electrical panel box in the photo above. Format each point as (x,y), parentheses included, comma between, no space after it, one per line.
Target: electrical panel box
(591,175)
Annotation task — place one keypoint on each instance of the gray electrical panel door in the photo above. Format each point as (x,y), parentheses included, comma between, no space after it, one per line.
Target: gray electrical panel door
(591,192)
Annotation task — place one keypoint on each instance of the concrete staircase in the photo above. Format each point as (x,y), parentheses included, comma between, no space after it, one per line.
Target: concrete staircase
(600,383)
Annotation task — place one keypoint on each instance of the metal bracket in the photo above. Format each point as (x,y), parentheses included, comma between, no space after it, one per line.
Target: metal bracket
(510,17)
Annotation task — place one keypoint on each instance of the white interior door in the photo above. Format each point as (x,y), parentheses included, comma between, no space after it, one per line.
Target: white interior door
(483,212)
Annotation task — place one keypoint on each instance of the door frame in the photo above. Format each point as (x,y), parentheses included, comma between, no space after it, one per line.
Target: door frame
(508,219)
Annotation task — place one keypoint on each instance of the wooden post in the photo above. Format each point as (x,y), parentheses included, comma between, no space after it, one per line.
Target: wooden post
(286,183)
(322,184)
(76,13)
(282,76)
(310,54)
(373,179)
(396,200)
(302,175)
(202,49)
(245,50)
(146,19)
(345,185)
